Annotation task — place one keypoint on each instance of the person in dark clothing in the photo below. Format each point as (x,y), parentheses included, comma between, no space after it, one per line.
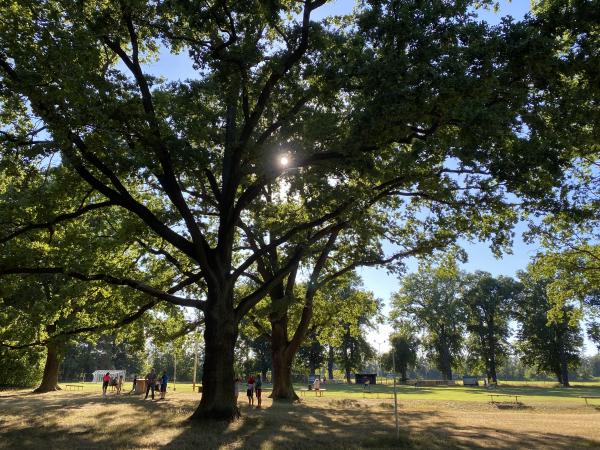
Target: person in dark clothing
(163,385)
(258,390)
(150,383)
(134,381)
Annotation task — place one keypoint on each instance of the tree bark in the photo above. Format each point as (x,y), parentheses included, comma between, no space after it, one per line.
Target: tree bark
(50,379)
(446,366)
(283,388)
(564,368)
(220,333)
(491,359)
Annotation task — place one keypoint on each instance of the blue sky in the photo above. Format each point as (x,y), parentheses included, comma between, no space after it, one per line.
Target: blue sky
(178,67)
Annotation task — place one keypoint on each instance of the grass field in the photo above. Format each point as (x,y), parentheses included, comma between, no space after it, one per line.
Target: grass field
(430,418)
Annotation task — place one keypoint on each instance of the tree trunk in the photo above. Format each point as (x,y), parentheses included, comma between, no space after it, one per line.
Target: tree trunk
(403,375)
(283,389)
(492,351)
(564,369)
(347,370)
(446,366)
(220,333)
(493,369)
(330,363)
(50,379)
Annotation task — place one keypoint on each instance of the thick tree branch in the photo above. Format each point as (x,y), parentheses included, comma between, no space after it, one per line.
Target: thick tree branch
(311,290)
(287,62)
(102,327)
(58,219)
(109,279)
(167,179)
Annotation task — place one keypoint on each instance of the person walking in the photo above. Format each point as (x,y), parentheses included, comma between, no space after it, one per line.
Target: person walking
(258,390)
(250,389)
(150,383)
(105,381)
(236,388)
(119,384)
(134,382)
(163,385)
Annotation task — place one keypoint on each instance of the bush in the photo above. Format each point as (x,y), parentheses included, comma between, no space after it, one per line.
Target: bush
(21,368)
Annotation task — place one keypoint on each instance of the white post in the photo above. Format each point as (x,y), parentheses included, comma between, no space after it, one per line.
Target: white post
(395,395)
(174,370)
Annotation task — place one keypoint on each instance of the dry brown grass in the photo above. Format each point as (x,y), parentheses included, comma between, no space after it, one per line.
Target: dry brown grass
(72,420)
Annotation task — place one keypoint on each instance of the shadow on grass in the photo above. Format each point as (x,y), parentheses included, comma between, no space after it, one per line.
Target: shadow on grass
(507,405)
(344,423)
(352,425)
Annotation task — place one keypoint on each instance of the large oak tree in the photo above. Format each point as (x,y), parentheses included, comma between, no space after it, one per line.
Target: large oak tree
(404,101)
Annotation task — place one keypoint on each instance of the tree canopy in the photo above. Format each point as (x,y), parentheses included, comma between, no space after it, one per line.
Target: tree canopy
(414,114)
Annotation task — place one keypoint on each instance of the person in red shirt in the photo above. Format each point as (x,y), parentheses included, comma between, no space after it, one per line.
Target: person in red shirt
(250,389)
(105,381)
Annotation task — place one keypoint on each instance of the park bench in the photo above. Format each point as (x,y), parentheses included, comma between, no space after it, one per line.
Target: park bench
(420,383)
(318,392)
(73,387)
(516,397)
(586,397)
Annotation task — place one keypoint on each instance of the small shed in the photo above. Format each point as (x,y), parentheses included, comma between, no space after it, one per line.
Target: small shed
(98,374)
(365,378)
(469,380)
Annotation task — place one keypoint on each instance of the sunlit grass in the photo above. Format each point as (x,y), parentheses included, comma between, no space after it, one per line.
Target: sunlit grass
(528,391)
(430,418)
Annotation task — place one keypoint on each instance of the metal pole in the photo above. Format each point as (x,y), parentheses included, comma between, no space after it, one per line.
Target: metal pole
(395,396)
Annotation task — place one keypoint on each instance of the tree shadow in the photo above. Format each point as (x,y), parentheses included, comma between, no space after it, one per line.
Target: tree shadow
(509,405)
(315,424)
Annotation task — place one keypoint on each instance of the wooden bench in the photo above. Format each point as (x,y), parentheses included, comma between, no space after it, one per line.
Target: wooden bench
(420,383)
(318,392)
(588,396)
(516,397)
(72,387)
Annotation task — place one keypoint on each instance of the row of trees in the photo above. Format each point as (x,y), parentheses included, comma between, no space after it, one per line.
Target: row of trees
(475,322)
(296,151)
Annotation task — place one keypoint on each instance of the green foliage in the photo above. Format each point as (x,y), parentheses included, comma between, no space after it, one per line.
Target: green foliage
(311,355)
(21,368)
(403,355)
(413,114)
(106,352)
(430,300)
(489,302)
(551,346)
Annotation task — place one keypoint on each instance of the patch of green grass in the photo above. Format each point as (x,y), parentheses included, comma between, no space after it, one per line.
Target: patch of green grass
(549,393)
(539,391)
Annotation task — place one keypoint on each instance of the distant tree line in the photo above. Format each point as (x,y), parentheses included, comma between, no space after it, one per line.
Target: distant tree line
(475,323)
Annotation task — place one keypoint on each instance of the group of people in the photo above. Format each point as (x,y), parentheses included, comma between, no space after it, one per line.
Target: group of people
(115,381)
(253,388)
(153,383)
